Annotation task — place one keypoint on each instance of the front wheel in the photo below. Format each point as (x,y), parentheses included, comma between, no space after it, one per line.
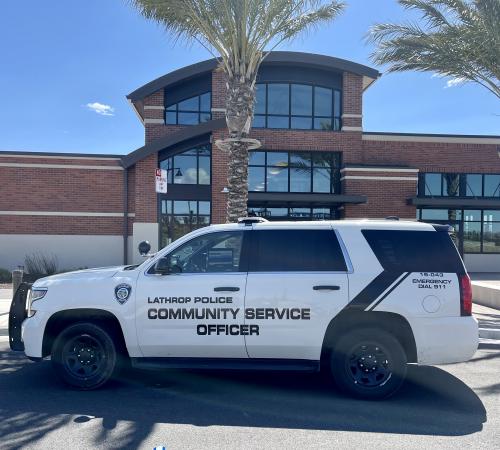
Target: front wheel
(84,356)
(368,363)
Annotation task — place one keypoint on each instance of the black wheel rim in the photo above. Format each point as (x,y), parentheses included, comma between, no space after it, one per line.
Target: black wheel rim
(368,365)
(83,356)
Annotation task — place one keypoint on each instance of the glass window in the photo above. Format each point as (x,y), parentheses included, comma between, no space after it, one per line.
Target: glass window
(277,122)
(191,111)
(321,180)
(277,99)
(492,185)
(296,250)
(432,183)
(491,215)
(277,159)
(306,170)
(301,123)
(257,179)
(414,251)
(277,213)
(277,179)
(322,102)
(213,252)
(300,179)
(301,100)
(473,185)
(442,214)
(322,123)
(472,215)
(257,158)
(297,106)
(491,237)
(179,217)
(259,122)
(190,167)
(472,237)
(260,99)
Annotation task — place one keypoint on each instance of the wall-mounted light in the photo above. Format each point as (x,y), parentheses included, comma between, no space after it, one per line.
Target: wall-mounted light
(225,190)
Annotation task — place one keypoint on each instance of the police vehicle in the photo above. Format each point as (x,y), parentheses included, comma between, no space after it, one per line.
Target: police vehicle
(357,299)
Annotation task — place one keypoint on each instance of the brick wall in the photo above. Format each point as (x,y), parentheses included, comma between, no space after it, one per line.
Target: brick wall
(33,184)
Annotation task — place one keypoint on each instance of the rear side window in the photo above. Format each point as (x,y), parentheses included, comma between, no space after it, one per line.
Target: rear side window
(296,250)
(414,251)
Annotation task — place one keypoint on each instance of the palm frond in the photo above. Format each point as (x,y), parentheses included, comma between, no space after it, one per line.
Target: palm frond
(458,38)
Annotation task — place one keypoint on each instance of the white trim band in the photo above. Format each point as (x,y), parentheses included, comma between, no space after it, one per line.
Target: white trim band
(154,107)
(60,166)
(352,128)
(155,121)
(221,110)
(359,177)
(352,116)
(63,214)
(376,169)
(439,139)
(97,158)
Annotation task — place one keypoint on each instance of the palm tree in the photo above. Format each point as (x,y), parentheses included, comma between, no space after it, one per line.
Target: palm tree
(459,38)
(239,33)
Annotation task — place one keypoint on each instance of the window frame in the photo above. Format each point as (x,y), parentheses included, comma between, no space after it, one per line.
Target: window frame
(335,118)
(171,171)
(335,167)
(461,222)
(199,111)
(462,190)
(348,268)
(243,263)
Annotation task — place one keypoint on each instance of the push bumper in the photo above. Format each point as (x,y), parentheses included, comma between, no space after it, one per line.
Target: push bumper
(445,341)
(17,315)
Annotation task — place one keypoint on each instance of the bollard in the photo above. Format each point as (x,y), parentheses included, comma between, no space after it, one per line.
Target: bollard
(17,279)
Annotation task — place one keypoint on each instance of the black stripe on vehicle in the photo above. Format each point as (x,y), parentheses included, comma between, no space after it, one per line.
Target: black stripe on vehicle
(389,291)
(373,290)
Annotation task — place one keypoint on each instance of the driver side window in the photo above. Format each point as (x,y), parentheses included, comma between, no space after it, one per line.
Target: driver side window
(213,252)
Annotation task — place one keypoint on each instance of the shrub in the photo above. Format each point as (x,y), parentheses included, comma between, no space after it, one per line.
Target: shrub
(5,276)
(40,264)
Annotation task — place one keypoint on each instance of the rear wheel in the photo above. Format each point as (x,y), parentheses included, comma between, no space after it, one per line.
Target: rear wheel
(85,356)
(368,363)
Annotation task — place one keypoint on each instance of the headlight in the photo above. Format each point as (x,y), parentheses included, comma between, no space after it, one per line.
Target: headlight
(34,295)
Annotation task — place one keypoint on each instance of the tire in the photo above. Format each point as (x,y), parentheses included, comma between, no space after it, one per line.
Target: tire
(368,363)
(84,356)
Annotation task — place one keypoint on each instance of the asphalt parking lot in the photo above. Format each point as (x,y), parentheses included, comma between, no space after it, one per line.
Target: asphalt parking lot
(439,407)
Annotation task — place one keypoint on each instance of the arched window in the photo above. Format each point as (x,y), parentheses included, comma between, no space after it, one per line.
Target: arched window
(189,167)
(297,106)
(190,111)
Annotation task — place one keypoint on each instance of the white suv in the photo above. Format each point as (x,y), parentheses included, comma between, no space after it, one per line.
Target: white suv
(359,299)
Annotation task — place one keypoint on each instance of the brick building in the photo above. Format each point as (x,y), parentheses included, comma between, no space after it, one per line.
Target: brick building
(315,163)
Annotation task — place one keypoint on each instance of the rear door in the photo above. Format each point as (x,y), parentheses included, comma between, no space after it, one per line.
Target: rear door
(297,282)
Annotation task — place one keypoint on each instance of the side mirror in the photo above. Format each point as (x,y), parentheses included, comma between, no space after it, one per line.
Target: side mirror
(144,248)
(162,266)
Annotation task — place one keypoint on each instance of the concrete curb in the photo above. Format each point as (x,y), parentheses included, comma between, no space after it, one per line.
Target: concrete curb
(486,294)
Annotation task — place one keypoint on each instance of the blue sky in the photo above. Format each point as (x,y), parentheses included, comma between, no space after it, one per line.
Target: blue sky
(58,56)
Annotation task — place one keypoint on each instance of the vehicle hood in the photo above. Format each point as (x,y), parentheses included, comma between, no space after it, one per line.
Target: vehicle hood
(86,274)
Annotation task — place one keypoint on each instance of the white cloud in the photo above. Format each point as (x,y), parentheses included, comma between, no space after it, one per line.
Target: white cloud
(454,82)
(100,108)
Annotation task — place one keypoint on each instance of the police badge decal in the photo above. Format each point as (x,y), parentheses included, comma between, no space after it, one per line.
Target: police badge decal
(122,293)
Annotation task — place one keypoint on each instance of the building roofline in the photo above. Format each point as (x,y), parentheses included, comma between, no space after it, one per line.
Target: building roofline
(273,58)
(429,137)
(37,154)
(172,139)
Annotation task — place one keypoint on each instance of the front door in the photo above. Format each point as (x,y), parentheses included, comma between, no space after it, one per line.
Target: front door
(190,302)
(297,282)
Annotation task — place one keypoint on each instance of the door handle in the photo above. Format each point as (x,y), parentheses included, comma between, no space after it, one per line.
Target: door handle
(226,289)
(326,288)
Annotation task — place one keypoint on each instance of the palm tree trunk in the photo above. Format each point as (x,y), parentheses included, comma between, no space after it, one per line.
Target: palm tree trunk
(237,181)
(239,113)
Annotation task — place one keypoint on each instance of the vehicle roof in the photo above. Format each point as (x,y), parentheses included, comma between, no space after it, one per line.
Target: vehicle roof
(383,224)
